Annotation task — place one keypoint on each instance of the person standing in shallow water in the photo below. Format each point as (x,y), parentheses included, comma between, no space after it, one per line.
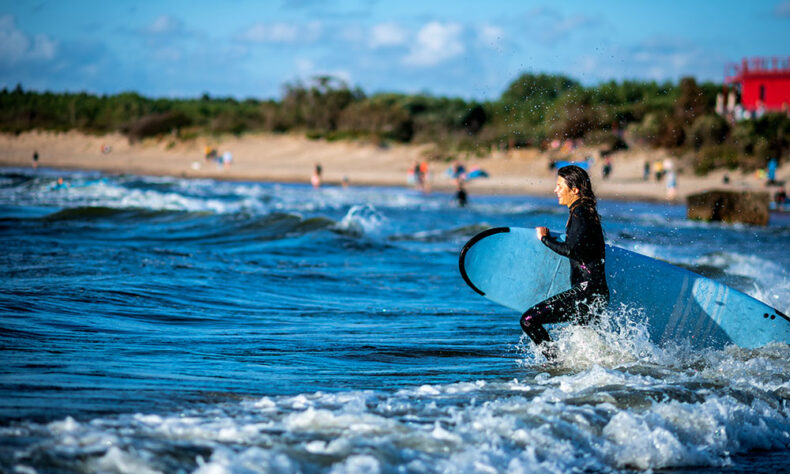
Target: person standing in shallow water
(585,249)
(315,179)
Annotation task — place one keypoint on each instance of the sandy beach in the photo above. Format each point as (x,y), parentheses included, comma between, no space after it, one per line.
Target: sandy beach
(291,158)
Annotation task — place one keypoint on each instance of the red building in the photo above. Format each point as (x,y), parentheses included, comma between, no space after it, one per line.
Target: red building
(764,83)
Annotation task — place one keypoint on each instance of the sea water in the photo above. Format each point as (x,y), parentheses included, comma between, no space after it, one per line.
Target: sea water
(171,325)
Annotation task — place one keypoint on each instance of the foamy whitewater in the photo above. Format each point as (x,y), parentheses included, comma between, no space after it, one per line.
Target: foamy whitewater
(168,325)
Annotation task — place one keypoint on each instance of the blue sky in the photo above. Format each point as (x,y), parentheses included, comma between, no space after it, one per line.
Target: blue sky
(469,49)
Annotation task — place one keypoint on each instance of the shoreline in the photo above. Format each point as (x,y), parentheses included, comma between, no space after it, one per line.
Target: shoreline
(292,158)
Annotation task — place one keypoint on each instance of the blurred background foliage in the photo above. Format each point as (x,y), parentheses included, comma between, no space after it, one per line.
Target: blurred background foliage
(534,110)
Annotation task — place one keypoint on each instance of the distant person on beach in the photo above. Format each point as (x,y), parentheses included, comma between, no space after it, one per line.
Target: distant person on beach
(672,178)
(584,247)
(35,159)
(425,177)
(771,171)
(416,176)
(225,160)
(672,184)
(315,179)
(646,171)
(658,169)
(780,198)
(413,173)
(460,194)
(607,167)
(210,153)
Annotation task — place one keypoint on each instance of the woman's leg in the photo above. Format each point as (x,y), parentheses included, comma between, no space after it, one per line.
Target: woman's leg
(561,307)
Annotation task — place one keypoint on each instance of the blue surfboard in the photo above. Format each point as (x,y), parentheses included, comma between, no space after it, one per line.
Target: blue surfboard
(511,267)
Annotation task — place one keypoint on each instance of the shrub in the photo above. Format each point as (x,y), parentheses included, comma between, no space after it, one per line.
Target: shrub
(574,115)
(711,157)
(742,137)
(649,129)
(610,140)
(379,118)
(156,124)
(708,130)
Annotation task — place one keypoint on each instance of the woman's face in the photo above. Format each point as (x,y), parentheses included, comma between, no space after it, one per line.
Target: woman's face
(565,195)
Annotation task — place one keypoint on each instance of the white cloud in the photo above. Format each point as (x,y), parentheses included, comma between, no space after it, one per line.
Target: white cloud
(282,33)
(436,43)
(306,70)
(13,43)
(43,47)
(387,34)
(550,26)
(168,54)
(656,59)
(352,33)
(16,46)
(304,67)
(490,35)
(165,25)
(342,74)
(667,54)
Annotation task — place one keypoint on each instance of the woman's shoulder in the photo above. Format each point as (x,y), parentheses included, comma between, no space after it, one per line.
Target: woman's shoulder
(582,211)
(579,210)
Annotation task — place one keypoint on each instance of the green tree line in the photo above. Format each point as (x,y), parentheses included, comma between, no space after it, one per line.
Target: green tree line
(533,110)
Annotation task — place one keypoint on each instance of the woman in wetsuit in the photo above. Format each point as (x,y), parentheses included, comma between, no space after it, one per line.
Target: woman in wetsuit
(584,247)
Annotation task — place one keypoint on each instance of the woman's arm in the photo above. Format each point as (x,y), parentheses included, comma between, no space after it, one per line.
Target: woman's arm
(551,242)
(576,228)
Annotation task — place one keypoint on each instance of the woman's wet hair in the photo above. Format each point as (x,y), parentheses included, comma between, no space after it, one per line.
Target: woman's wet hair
(576,177)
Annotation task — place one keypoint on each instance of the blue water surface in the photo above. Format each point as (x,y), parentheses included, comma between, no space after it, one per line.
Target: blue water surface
(278,319)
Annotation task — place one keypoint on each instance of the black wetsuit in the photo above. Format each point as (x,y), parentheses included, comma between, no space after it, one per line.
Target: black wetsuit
(584,247)
(460,196)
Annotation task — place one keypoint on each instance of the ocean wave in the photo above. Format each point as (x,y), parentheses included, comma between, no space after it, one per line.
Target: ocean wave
(169,325)
(441,235)
(362,220)
(598,419)
(756,276)
(101,212)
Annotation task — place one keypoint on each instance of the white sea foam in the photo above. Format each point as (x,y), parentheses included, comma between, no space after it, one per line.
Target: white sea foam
(772,281)
(598,418)
(163,193)
(363,220)
(122,462)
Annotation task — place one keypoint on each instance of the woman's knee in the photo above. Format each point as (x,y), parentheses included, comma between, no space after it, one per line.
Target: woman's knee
(532,327)
(530,318)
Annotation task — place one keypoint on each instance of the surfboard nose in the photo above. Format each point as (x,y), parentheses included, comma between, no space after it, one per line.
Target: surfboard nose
(469,245)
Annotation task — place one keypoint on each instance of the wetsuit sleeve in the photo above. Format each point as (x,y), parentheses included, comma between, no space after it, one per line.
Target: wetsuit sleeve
(573,234)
